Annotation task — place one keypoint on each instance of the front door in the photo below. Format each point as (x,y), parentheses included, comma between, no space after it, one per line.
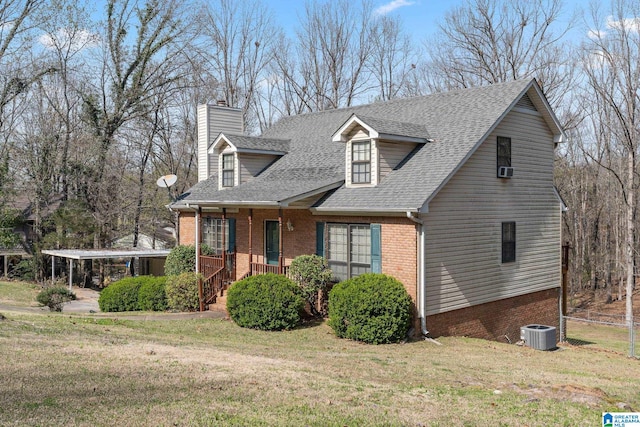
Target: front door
(272,242)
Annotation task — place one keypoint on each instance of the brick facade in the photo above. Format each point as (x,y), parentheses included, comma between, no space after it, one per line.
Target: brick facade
(398,239)
(498,320)
(494,321)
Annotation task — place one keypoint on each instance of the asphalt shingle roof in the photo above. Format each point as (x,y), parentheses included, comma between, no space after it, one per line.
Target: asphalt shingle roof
(392,127)
(242,142)
(456,122)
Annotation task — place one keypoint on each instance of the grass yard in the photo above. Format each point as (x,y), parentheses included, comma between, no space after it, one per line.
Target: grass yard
(60,369)
(19,294)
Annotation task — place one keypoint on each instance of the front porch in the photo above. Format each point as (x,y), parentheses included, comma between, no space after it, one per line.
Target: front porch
(219,272)
(233,263)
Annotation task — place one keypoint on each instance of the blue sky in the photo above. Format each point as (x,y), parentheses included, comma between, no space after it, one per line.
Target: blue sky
(419,17)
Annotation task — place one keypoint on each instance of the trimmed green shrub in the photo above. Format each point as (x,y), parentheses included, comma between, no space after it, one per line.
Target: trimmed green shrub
(121,295)
(134,293)
(268,302)
(373,308)
(182,292)
(152,295)
(182,259)
(55,297)
(312,274)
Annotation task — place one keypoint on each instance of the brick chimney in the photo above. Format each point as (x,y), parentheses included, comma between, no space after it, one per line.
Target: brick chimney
(213,119)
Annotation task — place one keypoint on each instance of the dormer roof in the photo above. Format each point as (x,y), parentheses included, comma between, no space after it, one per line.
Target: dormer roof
(251,144)
(383,129)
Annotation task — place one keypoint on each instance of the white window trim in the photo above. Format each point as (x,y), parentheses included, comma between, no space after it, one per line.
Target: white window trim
(221,154)
(374,163)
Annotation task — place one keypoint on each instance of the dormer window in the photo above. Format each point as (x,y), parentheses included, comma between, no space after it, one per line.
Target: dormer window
(375,147)
(361,162)
(228,175)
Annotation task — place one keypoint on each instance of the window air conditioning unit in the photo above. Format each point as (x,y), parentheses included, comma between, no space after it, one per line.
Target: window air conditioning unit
(505,172)
(539,337)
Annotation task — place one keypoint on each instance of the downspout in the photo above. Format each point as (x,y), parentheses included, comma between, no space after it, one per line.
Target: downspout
(422,286)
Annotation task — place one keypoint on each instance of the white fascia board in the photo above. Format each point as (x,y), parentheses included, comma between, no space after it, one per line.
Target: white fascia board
(338,135)
(219,140)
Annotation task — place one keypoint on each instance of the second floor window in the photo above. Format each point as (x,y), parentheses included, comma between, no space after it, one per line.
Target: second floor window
(227,170)
(504,151)
(361,162)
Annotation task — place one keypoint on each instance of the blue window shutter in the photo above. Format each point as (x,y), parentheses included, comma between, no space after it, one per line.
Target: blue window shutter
(376,249)
(320,239)
(231,244)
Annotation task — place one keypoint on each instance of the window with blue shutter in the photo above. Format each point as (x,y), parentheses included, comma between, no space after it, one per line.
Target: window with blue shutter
(231,233)
(352,249)
(320,239)
(376,249)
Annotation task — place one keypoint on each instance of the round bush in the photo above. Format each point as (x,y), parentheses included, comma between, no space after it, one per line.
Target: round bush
(182,259)
(182,292)
(373,308)
(121,295)
(55,297)
(268,302)
(152,295)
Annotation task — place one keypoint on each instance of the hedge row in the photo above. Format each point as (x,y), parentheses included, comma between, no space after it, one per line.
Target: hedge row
(133,294)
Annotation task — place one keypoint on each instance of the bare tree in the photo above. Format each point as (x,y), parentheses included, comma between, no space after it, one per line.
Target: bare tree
(134,69)
(612,72)
(492,41)
(330,54)
(392,58)
(239,44)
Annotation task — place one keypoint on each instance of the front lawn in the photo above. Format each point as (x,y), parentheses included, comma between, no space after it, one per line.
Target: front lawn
(74,370)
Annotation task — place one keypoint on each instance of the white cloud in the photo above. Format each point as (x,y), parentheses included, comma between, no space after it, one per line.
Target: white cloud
(596,34)
(64,38)
(391,6)
(630,24)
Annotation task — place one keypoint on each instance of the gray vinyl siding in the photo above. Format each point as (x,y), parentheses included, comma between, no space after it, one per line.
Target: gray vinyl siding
(211,121)
(463,227)
(252,164)
(391,154)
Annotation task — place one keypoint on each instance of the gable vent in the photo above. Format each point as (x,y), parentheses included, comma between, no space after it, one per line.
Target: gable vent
(526,103)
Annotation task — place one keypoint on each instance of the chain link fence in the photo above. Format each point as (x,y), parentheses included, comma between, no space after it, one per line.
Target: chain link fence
(603,331)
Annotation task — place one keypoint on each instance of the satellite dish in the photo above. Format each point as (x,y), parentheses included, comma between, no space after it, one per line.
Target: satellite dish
(166,181)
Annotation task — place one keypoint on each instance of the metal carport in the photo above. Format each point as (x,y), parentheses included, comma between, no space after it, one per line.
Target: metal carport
(82,254)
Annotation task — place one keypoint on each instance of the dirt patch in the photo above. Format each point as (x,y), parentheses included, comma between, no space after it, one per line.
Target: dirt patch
(590,396)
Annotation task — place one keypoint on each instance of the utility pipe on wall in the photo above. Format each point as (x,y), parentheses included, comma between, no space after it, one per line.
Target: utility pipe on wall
(422,285)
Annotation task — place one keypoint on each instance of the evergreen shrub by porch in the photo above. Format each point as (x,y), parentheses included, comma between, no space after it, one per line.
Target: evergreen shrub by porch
(182,259)
(121,295)
(312,274)
(373,308)
(55,297)
(269,302)
(152,295)
(182,292)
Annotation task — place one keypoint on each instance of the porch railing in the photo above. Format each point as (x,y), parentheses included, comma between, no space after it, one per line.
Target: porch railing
(258,268)
(218,272)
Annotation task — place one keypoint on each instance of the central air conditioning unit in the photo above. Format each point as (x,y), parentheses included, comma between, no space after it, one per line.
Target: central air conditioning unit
(540,337)
(505,172)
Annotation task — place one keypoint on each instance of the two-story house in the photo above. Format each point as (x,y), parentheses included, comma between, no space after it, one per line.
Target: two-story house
(450,193)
